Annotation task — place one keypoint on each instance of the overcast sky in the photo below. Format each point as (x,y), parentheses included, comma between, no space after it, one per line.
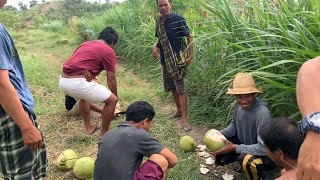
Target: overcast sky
(15,2)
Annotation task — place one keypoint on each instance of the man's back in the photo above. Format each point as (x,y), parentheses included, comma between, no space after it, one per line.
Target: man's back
(94,56)
(121,152)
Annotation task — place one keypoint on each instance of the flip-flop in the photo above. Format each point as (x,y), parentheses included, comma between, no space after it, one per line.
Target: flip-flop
(186,127)
(175,115)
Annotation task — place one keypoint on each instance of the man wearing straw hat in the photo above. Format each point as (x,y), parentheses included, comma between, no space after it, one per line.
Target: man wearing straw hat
(243,142)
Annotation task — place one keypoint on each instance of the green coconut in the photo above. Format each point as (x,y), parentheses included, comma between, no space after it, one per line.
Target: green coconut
(188,144)
(83,168)
(66,159)
(213,140)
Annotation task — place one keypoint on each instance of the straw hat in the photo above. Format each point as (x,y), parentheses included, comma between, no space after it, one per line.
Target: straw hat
(244,83)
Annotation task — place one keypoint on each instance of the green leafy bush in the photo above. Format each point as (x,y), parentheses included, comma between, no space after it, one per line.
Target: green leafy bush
(53,26)
(9,18)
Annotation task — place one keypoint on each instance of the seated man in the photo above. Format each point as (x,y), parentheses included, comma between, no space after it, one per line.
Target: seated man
(282,139)
(244,143)
(121,150)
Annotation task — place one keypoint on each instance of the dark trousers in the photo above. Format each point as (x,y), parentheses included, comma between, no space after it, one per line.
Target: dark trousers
(255,167)
(69,102)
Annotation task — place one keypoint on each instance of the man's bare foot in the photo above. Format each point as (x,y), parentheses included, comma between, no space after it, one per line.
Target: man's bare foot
(101,134)
(92,129)
(100,138)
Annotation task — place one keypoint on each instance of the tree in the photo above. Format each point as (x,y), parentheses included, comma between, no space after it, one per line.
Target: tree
(22,6)
(33,3)
(9,8)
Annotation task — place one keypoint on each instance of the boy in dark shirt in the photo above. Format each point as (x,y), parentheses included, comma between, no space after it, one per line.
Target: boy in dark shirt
(121,150)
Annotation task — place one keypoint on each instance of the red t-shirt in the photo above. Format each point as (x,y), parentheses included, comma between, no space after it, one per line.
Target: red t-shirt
(94,56)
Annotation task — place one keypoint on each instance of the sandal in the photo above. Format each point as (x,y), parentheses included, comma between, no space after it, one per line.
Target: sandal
(176,115)
(186,127)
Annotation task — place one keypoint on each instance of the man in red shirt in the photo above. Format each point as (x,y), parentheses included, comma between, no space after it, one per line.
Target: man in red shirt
(78,78)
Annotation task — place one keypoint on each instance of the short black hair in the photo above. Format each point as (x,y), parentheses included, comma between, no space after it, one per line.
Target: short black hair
(109,35)
(168,1)
(139,111)
(282,134)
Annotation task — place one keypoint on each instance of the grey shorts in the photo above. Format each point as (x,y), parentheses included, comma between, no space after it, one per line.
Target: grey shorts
(18,162)
(171,84)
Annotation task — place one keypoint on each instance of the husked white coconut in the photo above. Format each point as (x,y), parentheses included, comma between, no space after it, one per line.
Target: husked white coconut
(214,140)
(201,147)
(210,161)
(227,176)
(201,154)
(204,170)
(206,155)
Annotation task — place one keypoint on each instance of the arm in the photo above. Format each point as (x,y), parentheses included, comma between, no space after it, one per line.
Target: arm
(155,50)
(258,148)
(148,145)
(308,85)
(11,104)
(190,49)
(255,149)
(185,32)
(112,82)
(171,158)
(230,130)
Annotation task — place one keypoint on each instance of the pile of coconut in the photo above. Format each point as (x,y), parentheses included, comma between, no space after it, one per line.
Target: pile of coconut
(82,167)
(214,141)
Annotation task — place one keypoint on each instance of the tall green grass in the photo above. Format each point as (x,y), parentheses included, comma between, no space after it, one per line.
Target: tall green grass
(269,40)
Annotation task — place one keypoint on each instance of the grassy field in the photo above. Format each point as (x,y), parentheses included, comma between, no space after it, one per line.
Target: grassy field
(43,55)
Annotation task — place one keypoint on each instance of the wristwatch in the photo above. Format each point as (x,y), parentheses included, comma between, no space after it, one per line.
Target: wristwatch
(311,122)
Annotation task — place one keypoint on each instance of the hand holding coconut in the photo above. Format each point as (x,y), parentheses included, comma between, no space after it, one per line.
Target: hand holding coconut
(217,143)
(214,140)
(228,148)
